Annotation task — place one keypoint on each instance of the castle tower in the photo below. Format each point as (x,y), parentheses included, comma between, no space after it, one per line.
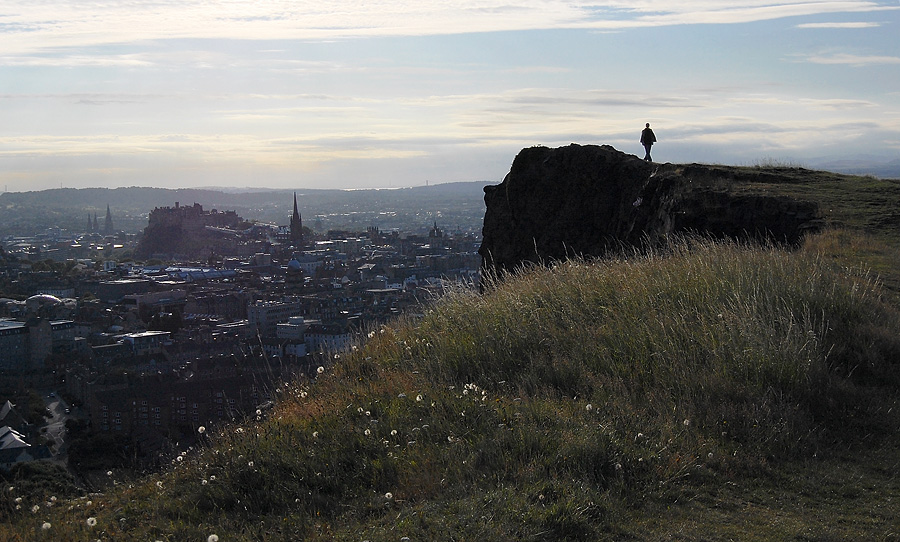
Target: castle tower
(296,226)
(108,227)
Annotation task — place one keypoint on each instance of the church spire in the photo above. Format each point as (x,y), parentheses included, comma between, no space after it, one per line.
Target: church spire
(296,225)
(108,227)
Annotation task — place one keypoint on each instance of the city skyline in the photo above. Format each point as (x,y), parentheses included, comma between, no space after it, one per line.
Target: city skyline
(355,95)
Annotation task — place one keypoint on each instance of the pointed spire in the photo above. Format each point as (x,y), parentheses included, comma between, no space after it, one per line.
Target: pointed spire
(108,226)
(296,225)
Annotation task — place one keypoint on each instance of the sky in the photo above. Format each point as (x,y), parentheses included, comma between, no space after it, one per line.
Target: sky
(394,93)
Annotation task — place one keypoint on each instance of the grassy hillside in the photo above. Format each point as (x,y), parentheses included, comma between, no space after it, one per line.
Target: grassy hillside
(710,389)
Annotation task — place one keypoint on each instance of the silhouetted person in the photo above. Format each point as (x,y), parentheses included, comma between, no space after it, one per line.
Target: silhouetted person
(648,138)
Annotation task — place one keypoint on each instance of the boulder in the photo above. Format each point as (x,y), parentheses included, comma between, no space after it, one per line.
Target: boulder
(585,200)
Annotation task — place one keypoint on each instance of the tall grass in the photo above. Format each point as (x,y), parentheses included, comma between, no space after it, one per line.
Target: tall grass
(537,409)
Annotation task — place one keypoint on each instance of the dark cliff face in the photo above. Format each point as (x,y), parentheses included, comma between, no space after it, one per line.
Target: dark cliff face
(585,200)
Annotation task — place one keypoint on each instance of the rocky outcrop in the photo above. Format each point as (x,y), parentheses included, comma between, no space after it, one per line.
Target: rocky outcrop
(585,200)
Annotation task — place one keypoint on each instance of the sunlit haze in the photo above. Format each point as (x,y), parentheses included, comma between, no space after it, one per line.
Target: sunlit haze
(353,94)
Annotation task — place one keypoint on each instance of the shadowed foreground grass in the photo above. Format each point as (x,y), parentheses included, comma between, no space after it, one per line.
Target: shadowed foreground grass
(709,392)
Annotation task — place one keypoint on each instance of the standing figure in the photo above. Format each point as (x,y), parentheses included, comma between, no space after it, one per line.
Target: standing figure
(647,140)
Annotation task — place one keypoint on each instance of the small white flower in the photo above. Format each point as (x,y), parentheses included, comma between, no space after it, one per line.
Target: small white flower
(91,522)
(250,464)
(46,526)
(589,407)
(320,370)
(159,484)
(687,422)
(258,412)
(367,432)
(315,434)
(109,473)
(393,432)
(212,538)
(419,398)
(388,495)
(201,429)
(212,478)
(368,413)
(180,458)
(18,500)
(303,395)
(34,509)
(204,482)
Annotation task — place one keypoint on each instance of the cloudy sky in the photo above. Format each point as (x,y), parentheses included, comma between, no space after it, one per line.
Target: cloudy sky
(351,94)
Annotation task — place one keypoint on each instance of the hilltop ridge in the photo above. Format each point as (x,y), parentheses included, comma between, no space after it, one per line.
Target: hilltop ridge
(586,200)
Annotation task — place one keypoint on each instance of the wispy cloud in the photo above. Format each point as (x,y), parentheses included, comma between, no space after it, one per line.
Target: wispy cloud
(26,26)
(851,59)
(839,25)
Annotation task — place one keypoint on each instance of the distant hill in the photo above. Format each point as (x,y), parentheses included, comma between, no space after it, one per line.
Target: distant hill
(453,205)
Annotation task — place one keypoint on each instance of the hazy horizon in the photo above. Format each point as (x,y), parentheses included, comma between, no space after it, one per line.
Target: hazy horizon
(351,95)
